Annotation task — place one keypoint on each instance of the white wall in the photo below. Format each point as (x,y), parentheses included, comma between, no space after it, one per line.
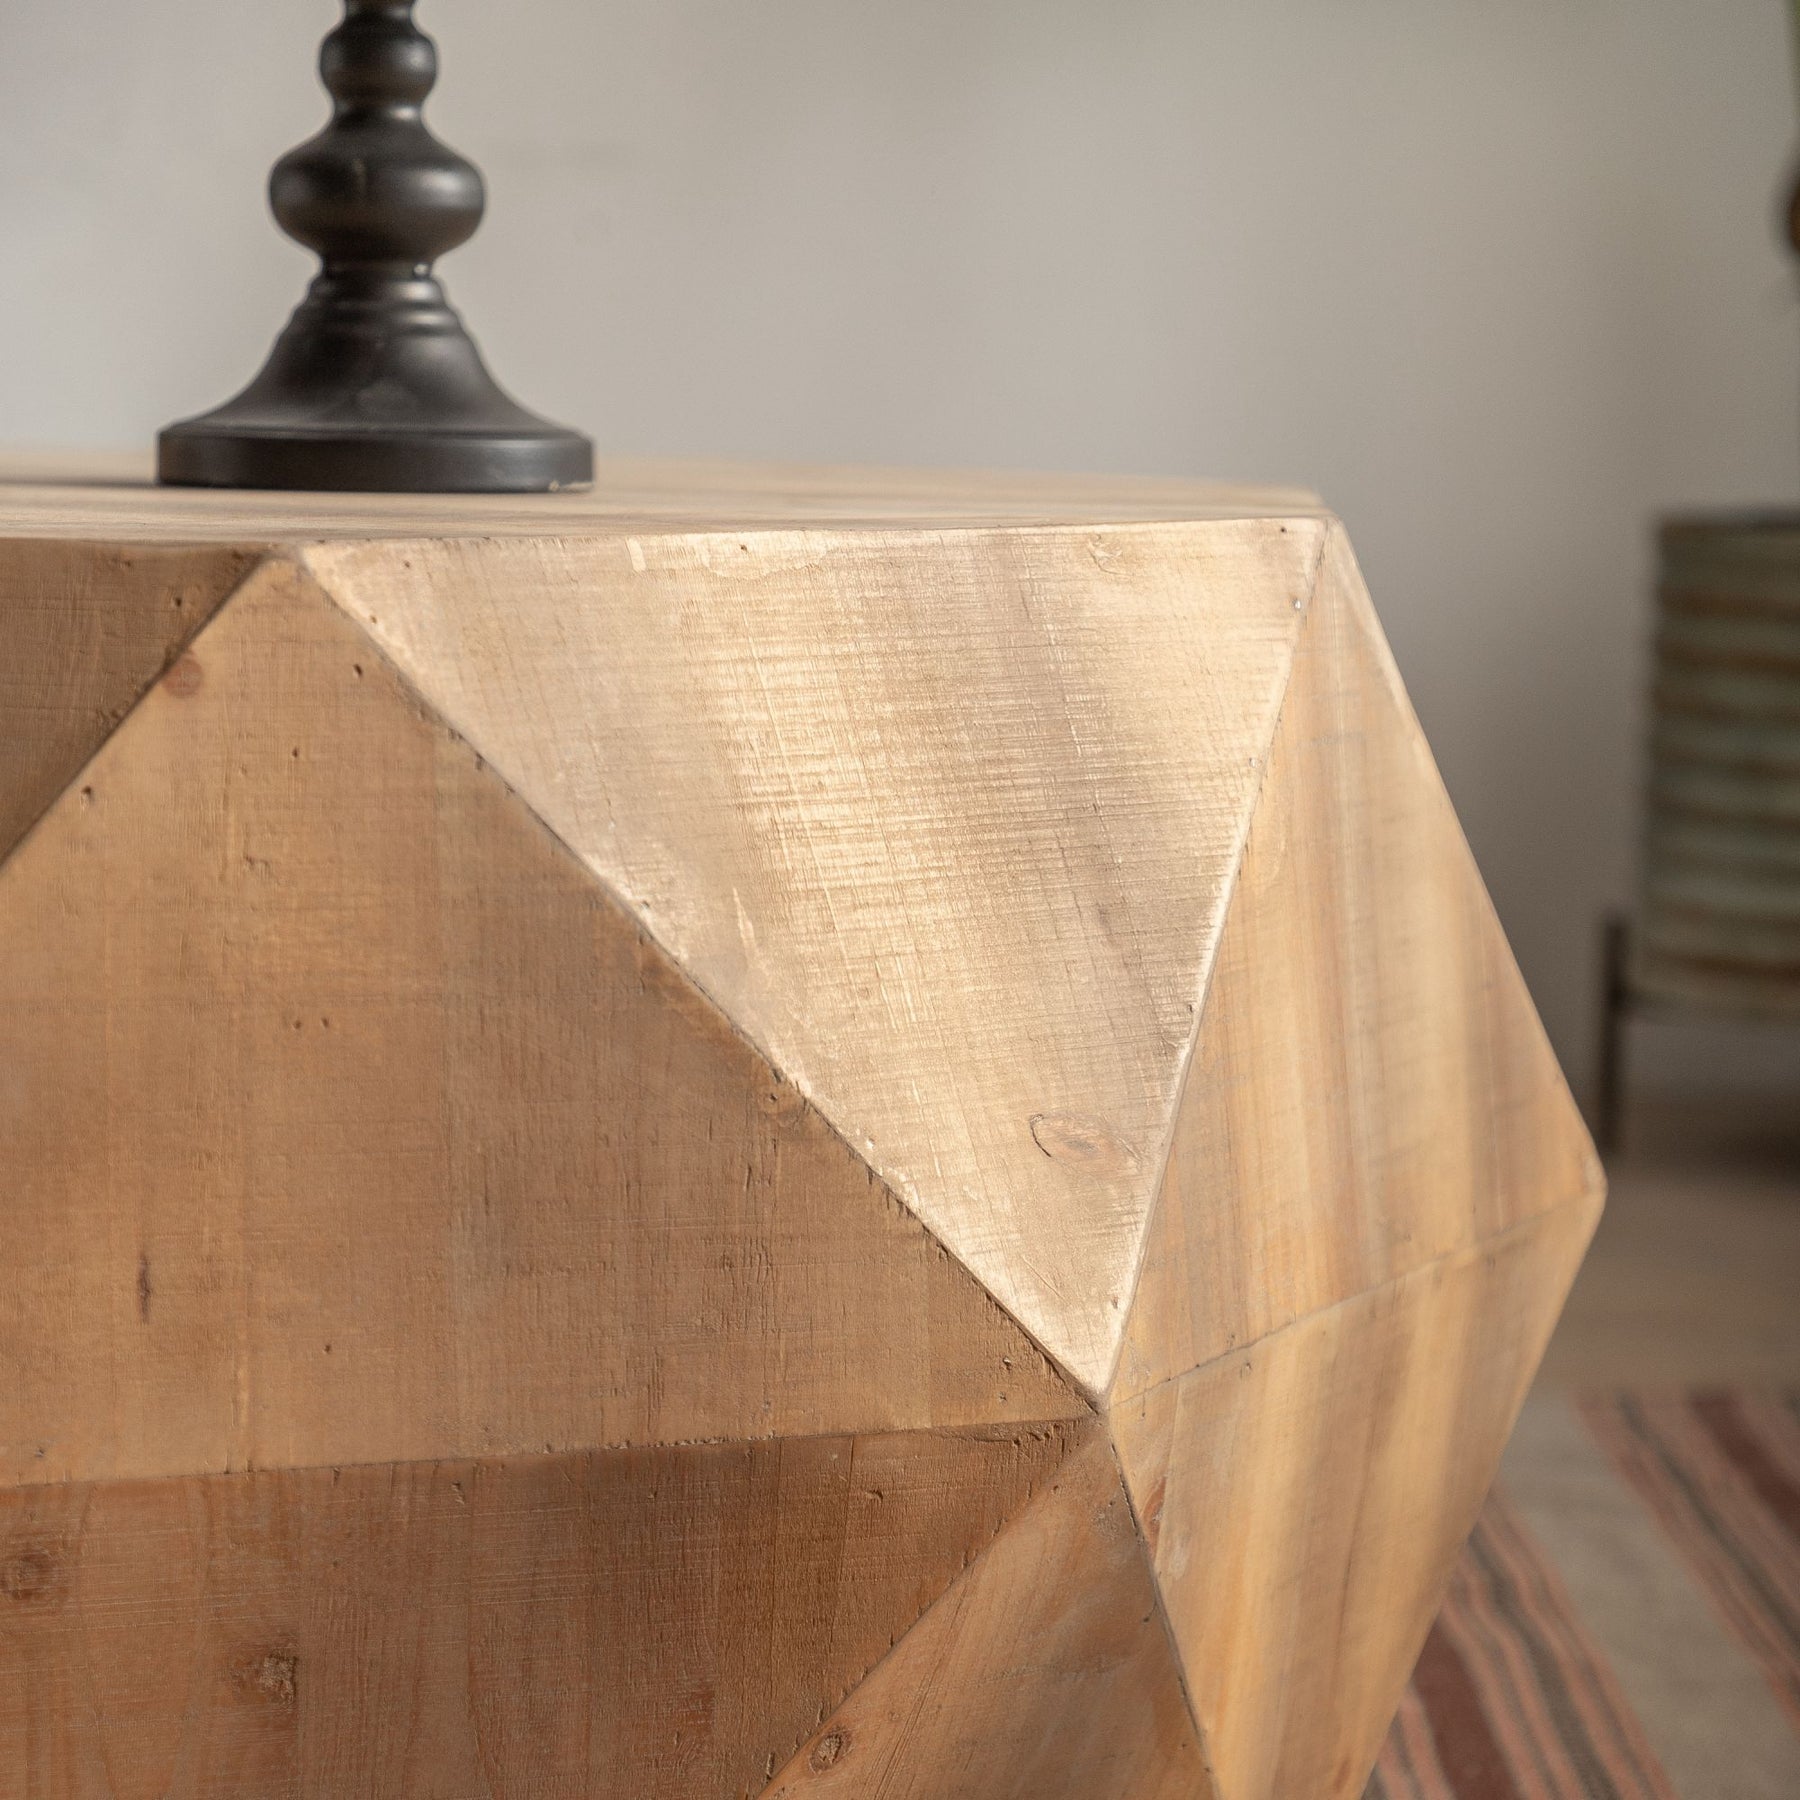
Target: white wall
(1498,278)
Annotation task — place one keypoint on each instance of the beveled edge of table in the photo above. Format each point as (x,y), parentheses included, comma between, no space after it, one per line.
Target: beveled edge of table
(110,497)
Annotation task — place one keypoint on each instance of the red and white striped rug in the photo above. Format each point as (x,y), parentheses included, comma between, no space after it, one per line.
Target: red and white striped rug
(1625,1624)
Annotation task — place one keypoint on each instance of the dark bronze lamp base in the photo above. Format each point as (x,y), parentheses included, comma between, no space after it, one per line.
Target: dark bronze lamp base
(217,453)
(375,385)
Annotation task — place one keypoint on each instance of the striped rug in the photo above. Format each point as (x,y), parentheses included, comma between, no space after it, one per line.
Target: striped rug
(1625,1624)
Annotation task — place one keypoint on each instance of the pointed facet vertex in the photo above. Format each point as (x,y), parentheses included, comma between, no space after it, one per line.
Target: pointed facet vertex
(1306,1498)
(88,628)
(527,1610)
(1044,1673)
(350,1120)
(1370,1087)
(946,835)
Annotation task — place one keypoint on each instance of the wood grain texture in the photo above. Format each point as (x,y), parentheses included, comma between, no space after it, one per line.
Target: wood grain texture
(1371,1088)
(860,1137)
(347,1120)
(111,498)
(1306,1498)
(1043,1674)
(944,824)
(658,1624)
(87,627)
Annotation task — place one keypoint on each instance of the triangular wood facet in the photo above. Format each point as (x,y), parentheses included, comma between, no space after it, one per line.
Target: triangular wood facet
(1305,1500)
(88,628)
(520,1627)
(349,1120)
(947,835)
(1045,1673)
(1370,1087)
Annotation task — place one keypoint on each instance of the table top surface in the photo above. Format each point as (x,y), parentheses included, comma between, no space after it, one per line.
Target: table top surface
(113,498)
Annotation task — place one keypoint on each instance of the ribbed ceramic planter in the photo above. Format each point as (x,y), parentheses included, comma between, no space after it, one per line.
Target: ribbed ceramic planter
(1719,924)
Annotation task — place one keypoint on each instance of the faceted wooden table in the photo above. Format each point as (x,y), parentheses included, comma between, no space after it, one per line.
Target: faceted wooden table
(772,1133)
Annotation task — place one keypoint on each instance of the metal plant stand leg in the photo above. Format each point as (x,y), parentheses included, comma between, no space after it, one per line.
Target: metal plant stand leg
(1615,1007)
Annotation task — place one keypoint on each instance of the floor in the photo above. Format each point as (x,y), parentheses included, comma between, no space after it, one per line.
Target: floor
(1694,1276)
(1623,1625)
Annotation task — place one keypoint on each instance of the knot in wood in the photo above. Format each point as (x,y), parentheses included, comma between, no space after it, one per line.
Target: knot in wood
(829,1751)
(30,1576)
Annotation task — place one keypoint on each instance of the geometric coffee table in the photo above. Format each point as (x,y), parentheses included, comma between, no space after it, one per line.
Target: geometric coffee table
(851,1137)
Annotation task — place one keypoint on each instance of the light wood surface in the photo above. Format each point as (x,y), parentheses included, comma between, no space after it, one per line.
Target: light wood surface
(845,1135)
(965,809)
(1066,1591)
(1306,1498)
(352,1122)
(525,1629)
(112,499)
(88,629)
(1371,1089)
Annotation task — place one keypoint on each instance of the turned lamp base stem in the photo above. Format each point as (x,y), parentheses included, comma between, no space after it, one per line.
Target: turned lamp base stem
(376,385)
